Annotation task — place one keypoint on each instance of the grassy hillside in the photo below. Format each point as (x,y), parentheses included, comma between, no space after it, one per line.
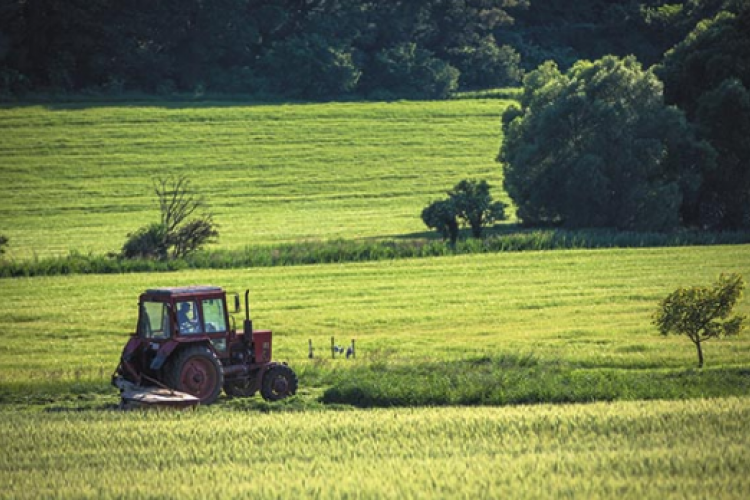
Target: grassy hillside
(79,177)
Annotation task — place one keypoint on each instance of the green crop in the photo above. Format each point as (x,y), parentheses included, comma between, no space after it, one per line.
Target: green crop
(694,449)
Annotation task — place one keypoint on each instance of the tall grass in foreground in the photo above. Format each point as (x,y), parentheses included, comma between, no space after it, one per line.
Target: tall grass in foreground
(341,251)
(691,449)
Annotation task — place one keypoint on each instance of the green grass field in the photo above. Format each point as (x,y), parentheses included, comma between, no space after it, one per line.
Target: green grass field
(78,177)
(480,334)
(693,449)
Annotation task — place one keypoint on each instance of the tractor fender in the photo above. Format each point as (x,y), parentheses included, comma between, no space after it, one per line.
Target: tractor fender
(163,353)
(167,348)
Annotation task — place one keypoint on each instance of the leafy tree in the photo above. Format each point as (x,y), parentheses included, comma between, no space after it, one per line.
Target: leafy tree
(597,147)
(702,313)
(707,75)
(473,204)
(3,243)
(409,71)
(487,64)
(310,66)
(441,216)
(469,201)
(175,235)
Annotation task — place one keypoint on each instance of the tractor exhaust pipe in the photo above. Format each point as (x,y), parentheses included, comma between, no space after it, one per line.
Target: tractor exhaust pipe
(248,324)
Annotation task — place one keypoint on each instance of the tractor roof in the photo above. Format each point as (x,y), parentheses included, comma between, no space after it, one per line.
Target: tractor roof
(184,290)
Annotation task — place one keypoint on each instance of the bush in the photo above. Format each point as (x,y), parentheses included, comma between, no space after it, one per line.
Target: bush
(148,242)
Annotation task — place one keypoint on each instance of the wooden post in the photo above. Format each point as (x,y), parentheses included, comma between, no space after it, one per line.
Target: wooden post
(354,351)
(310,353)
(333,348)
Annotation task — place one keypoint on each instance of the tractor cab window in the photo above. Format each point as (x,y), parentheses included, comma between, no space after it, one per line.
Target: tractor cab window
(213,315)
(188,320)
(154,322)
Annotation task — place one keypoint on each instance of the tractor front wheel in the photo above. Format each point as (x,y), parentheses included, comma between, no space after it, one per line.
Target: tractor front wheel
(278,383)
(197,371)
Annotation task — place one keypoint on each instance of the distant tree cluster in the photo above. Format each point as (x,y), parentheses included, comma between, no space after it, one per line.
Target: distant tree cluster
(289,48)
(315,49)
(708,76)
(607,144)
(597,147)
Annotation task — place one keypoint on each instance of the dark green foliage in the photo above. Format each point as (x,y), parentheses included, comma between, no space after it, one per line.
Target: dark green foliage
(597,147)
(474,205)
(702,313)
(487,64)
(469,201)
(441,216)
(338,251)
(3,243)
(409,71)
(289,48)
(148,242)
(708,76)
(309,66)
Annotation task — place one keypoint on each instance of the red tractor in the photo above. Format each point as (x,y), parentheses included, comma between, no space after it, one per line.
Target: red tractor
(186,341)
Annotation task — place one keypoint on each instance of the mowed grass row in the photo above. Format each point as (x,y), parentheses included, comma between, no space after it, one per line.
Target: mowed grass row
(687,449)
(589,309)
(79,178)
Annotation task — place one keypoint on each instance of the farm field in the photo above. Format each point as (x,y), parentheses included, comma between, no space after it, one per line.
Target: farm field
(79,177)
(478,335)
(590,308)
(684,449)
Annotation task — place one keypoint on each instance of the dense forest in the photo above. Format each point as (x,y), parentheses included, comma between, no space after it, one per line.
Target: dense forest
(321,49)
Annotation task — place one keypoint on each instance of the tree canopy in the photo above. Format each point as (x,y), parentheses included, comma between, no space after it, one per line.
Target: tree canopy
(319,49)
(708,76)
(597,147)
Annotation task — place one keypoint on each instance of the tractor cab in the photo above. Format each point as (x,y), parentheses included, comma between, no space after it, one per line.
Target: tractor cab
(186,315)
(185,340)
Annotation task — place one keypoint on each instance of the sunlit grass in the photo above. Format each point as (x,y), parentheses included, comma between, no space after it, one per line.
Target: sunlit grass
(80,177)
(691,449)
(589,309)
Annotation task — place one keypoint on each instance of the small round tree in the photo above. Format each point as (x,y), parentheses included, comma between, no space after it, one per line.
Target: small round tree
(469,201)
(702,313)
(441,216)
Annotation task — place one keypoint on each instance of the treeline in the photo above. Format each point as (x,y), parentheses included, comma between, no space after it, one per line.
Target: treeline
(318,49)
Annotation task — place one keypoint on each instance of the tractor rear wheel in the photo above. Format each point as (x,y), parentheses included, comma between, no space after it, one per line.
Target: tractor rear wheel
(197,371)
(278,383)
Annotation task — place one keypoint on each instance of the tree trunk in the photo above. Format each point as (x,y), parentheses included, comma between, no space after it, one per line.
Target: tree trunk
(700,354)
